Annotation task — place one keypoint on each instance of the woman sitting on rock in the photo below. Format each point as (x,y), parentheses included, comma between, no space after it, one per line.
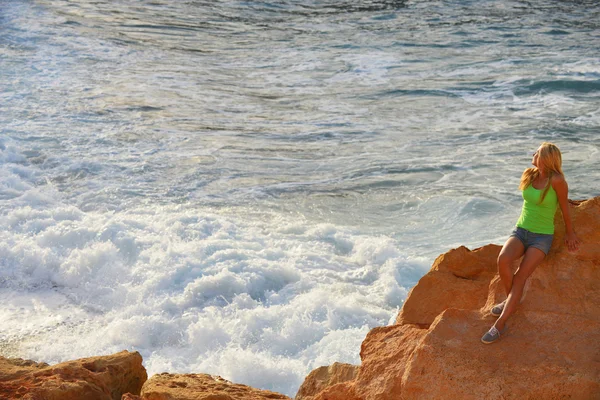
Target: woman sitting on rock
(544,188)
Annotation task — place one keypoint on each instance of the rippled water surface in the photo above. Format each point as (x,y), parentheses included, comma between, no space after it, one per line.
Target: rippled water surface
(246,188)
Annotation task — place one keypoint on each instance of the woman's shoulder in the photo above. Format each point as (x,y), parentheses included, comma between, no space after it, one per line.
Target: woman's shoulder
(558,178)
(558,181)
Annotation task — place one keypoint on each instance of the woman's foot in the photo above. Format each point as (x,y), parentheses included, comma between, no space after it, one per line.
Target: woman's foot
(498,308)
(493,335)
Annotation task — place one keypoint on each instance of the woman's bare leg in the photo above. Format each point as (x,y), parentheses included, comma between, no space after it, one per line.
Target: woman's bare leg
(533,257)
(512,250)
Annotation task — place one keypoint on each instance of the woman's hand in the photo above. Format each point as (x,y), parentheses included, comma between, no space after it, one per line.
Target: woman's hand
(572,241)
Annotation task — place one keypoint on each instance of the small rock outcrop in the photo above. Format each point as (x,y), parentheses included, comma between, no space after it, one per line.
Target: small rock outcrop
(94,378)
(324,377)
(199,387)
(551,350)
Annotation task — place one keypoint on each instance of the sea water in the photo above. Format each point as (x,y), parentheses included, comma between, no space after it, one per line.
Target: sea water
(247,188)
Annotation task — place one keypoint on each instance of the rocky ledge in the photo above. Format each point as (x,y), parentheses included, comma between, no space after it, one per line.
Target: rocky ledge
(96,378)
(433,351)
(119,376)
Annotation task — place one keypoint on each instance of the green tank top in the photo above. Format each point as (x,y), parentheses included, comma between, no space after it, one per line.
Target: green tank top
(536,217)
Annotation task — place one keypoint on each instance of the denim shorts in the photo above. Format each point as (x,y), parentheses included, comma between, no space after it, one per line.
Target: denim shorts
(529,239)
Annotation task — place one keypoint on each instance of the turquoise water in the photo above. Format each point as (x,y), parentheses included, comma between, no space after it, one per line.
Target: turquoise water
(246,188)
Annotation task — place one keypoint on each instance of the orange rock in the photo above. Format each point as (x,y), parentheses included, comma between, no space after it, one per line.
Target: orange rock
(324,377)
(551,350)
(458,279)
(12,368)
(95,378)
(201,387)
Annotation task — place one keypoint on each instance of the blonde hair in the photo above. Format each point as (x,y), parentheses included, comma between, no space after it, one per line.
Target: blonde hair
(551,160)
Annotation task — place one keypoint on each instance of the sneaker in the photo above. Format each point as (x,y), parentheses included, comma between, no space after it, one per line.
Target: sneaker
(498,308)
(493,335)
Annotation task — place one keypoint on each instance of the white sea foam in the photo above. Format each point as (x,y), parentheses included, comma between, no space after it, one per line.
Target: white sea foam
(191,288)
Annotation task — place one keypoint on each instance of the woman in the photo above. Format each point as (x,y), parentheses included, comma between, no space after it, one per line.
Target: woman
(544,189)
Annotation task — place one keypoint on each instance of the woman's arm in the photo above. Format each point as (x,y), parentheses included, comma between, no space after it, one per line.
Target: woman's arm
(562,192)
